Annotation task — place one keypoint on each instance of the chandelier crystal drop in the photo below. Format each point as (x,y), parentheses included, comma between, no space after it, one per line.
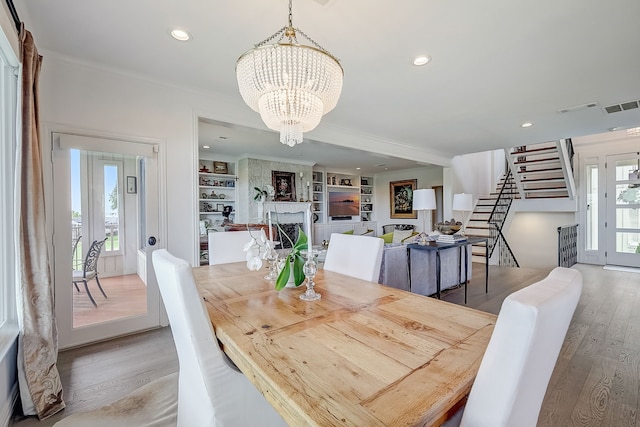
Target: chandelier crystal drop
(291,85)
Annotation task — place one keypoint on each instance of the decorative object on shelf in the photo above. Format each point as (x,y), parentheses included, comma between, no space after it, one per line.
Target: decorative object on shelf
(364,181)
(220,167)
(424,200)
(226,212)
(204,196)
(463,202)
(219,207)
(206,166)
(221,196)
(401,198)
(345,181)
(206,181)
(267,73)
(284,184)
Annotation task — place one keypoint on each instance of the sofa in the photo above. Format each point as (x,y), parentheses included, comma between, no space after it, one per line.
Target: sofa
(394,271)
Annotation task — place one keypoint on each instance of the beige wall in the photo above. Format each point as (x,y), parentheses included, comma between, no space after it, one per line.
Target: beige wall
(533,237)
(427,177)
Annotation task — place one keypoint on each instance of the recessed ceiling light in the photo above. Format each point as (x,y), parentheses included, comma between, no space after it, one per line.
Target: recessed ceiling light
(526,125)
(222,137)
(181,35)
(205,146)
(421,60)
(358,169)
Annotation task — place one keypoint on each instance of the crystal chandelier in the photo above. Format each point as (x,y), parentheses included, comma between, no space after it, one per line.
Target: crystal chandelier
(291,85)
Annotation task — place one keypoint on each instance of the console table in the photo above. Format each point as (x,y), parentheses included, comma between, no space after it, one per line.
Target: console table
(438,247)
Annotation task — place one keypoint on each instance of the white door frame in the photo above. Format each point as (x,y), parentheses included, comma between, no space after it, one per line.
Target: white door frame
(69,337)
(613,256)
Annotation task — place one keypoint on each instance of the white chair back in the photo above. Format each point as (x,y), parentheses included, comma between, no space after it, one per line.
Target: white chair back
(522,352)
(226,247)
(355,256)
(211,392)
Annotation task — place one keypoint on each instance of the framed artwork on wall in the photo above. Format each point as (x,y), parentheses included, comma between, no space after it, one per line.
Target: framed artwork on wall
(284,184)
(401,199)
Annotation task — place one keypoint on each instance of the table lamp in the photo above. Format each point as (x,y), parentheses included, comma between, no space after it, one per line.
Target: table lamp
(424,200)
(463,202)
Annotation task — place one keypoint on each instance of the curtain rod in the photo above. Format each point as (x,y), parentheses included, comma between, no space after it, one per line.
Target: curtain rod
(14,14)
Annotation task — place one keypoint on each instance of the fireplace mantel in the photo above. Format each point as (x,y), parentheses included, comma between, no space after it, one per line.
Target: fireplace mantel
(287,207)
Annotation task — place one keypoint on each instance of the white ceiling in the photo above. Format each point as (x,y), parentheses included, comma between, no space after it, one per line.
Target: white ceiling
(496,64)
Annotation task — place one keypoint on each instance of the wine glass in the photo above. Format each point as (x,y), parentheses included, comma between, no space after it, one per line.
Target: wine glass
(310,269)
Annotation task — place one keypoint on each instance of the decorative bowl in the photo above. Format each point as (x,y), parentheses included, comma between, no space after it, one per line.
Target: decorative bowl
(448,228)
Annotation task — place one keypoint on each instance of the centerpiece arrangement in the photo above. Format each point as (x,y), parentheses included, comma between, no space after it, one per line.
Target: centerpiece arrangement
(260,248)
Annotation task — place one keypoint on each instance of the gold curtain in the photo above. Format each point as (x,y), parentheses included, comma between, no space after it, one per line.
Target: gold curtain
(38,351)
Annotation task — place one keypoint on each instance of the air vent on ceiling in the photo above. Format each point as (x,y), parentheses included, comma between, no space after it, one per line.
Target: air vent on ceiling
(578,107)
(616,108)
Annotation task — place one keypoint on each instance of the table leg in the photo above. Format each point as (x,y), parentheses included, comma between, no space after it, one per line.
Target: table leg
(466,271)
(438,273)
(409,266)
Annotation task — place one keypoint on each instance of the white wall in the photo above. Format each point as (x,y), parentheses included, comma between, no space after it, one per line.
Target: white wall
(477,173)
(427,177)
(81,97)
(533,237)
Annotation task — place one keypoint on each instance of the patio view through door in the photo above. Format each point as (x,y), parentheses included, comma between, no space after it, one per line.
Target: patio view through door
(623,210)
(106,211)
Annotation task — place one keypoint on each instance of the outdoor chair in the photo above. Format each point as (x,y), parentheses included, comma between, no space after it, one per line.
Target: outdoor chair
(90,269)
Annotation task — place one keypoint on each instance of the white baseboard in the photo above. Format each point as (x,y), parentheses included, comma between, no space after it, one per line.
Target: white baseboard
(6,412)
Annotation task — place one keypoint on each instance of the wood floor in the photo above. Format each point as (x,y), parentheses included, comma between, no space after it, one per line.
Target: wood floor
(127,296)
(596,381)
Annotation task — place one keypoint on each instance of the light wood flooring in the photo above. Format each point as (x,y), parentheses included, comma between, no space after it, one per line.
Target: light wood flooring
(127,296)
(596,381)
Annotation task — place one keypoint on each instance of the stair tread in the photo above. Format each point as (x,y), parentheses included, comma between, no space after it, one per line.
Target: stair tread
(539,170)
(548,159)
(555,178)
(541,189)
(534,150)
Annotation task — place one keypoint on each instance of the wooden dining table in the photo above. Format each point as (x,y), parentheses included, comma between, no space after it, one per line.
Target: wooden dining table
(363,355)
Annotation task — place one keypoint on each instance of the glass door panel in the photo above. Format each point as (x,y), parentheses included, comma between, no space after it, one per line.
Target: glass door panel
(623,210)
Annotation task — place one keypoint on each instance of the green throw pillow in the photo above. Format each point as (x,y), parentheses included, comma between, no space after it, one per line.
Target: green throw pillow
(348,232)
(388,238)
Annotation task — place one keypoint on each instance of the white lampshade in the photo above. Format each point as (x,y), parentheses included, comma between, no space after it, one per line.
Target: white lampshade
(424,199)
(462,202)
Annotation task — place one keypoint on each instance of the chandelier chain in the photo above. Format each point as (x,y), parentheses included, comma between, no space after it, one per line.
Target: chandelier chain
(290,14)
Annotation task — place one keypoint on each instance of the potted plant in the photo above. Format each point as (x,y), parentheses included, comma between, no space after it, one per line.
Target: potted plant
(260,248)
(294,257)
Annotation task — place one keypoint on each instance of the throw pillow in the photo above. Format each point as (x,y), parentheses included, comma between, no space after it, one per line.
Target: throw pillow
(348,232)
(400,235)
(412,239)
(359,230)
(388,237)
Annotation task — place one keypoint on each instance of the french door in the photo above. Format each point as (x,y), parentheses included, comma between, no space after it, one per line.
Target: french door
(106,196)
(623,210)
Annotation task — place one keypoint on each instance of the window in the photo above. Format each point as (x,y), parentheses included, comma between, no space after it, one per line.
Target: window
(8,118)
(112,206)
(592,207)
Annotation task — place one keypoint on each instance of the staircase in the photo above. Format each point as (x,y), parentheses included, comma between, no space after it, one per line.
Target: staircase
(543,170)
(487,220)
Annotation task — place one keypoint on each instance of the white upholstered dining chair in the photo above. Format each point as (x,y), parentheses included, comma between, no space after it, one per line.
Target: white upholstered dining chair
(211,391)
(355,256)
(228,246)
(516,368)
